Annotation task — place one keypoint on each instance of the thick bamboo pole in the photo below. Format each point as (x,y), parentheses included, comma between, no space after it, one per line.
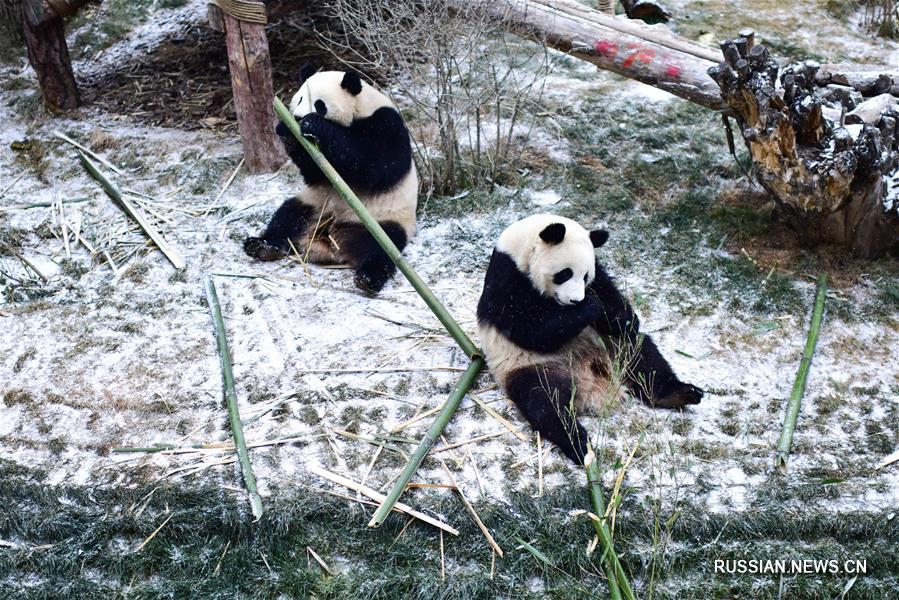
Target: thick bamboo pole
(786,435)
(454,329)
(477,364)
(240,442)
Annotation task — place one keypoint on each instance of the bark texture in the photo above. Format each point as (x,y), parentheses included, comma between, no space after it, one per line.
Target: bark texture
(827,172)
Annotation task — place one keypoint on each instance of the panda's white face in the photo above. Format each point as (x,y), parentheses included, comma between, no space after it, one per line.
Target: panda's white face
(563,270)
(337,96)
(556,253)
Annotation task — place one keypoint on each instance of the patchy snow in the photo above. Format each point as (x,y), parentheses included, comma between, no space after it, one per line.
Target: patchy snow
(544,198)
(112,360)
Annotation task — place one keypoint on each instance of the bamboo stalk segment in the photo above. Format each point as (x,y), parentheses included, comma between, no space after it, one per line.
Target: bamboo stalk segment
(619,587)
(428,441)
(240,442)
(792,414)
(451,325)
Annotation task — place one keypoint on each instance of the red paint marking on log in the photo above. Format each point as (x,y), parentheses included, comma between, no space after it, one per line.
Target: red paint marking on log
(673,70)
(642,54)
(606,48)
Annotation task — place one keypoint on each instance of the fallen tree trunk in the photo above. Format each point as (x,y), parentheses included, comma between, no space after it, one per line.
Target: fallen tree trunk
(650,54)
(830,181)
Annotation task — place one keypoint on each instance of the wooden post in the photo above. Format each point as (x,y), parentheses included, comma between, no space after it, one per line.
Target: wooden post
(49,55)
(251,83)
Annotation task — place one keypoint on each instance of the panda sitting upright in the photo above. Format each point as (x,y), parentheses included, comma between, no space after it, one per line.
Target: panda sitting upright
(552,325)
(361,133)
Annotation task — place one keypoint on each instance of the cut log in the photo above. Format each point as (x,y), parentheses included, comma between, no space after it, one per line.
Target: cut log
(828,181)
(49,56)
(870,80)
(871,110)
(251,83)
(650,54)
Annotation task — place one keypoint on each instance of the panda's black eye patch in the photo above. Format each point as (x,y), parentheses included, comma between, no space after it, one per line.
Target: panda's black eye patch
(320,108)
(562,276)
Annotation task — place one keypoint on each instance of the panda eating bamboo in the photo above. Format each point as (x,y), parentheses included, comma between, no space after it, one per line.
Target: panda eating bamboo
(363,136)
(555,331)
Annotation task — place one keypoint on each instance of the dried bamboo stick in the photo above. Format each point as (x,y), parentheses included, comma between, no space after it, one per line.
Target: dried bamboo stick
(40,204)
(379,497)
(132,212)
(792,414)
(231,398)
(472,511)
(87,150)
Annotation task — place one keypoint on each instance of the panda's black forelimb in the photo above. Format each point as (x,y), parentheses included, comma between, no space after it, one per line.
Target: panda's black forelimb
(312,175)
(372,154)
(372,265)
(544,396)
(286,227)
(531,320)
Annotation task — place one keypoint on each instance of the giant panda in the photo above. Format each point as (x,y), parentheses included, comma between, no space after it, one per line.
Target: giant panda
(553,326)
(361,133)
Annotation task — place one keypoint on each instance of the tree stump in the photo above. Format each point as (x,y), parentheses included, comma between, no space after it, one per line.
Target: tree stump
(49,56)
(828,178)
(251,83)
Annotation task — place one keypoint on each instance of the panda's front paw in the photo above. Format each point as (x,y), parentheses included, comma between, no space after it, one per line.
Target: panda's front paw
(262,249)
(678,395)
(311,125)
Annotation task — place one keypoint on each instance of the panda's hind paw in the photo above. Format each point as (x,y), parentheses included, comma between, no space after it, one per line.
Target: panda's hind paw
(370,283)
(678,396)
(373,275)
(263,250)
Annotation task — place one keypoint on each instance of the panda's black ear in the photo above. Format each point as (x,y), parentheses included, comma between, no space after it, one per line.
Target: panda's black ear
(351,83)
(307,71)
(599,237)
(553,234)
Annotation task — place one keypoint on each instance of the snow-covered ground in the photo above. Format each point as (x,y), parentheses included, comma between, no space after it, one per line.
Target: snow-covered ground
(105,356)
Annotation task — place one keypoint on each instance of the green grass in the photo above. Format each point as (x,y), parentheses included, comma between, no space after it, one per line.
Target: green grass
(87,537)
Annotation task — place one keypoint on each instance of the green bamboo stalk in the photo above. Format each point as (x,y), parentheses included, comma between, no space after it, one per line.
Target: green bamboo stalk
(428,440)
(619,586)
(792,414)
(240,443)
(452,327)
